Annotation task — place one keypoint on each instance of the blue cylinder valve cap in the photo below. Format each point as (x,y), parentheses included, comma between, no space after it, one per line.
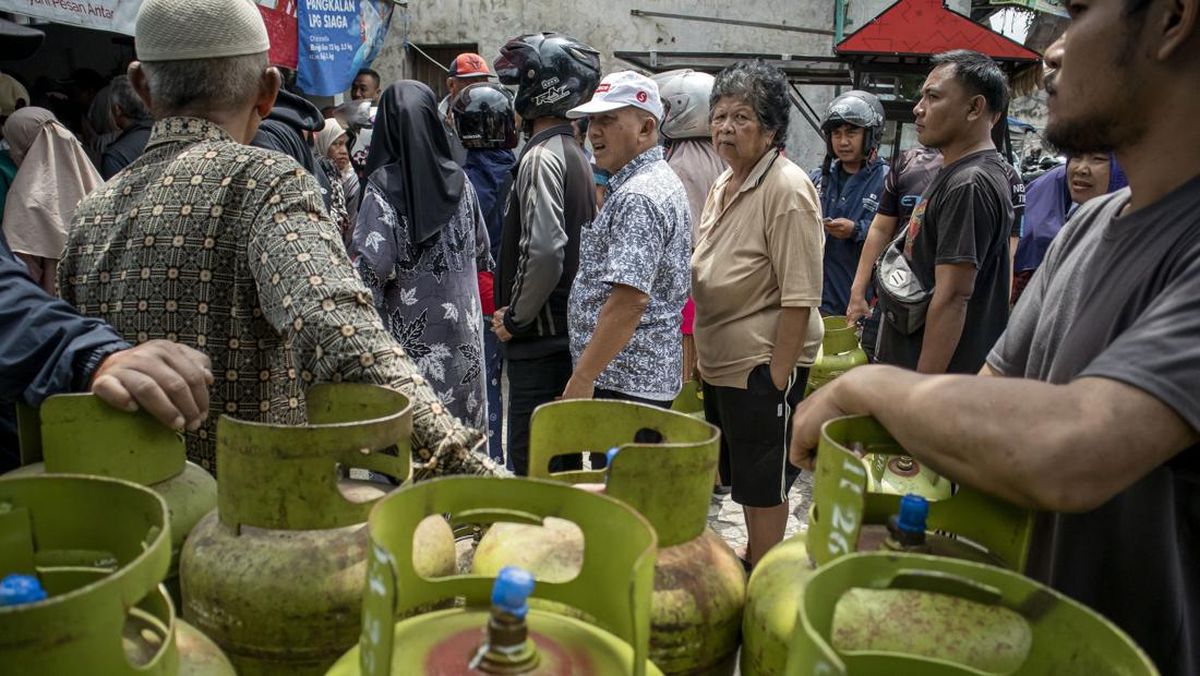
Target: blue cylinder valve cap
(913,511)
(19,589)
(510,592)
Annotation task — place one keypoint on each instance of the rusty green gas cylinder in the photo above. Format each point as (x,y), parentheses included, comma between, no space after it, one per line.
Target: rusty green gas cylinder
(664,469)
(275,574)
(850,508)
(79,434)
(492,632)
(96,550)
(840,352)
(861,615)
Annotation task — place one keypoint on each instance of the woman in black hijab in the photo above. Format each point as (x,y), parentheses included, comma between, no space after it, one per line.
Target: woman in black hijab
(418,244)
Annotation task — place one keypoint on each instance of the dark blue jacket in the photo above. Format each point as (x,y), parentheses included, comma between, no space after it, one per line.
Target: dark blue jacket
(46,347)
(490,172)
(857,199)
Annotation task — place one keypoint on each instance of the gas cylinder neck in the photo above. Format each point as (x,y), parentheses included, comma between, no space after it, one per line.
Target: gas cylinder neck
(508,649)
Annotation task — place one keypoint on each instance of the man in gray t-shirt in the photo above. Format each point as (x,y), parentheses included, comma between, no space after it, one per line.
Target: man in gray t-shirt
(1097,418)
(1118,298)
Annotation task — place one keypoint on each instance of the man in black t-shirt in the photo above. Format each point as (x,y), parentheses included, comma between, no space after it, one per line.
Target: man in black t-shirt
(957,238)
(902,190)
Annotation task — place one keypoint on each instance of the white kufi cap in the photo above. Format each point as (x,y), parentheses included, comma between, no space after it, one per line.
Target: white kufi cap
(175,30)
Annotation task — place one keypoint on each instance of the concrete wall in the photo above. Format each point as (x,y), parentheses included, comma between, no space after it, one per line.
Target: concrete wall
(607,26)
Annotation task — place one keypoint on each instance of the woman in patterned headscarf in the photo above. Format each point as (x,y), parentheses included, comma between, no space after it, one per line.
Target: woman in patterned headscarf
(53,174)
(419,242)
(331,143)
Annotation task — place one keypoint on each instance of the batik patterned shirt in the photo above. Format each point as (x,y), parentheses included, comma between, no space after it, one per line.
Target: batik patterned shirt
(228,249)
(641,238)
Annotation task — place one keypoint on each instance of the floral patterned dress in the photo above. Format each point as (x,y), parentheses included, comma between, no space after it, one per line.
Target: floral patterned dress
(428,295)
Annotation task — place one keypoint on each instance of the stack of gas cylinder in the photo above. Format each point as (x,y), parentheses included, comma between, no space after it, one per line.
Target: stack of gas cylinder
(896,574)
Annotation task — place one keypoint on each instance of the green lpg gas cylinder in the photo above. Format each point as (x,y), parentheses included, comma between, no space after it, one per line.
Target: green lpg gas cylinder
(840,352)
(848,515)
(663,468)
(79,434)
(275,574)
(690,400)
(90,553)
(492,633)
(857,618)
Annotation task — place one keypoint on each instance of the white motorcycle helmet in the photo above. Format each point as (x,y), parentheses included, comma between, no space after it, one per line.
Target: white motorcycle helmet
(685,95)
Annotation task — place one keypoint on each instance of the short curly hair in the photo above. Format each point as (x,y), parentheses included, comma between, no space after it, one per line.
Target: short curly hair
(764,87)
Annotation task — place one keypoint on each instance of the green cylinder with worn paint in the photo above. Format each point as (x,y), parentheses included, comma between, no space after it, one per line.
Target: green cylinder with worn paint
(612,588)
(79,434)
(851,505)
(856,618)
(664,469)
(99,548)
(275,574)
(840,352)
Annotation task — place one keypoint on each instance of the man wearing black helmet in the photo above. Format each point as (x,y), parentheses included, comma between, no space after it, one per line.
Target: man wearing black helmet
(552,198)
(485,123)
(850,183)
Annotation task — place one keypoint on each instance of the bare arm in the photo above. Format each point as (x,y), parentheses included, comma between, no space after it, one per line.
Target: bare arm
(1012,261)
(790,332)
(615,326)
(882,230)
(953,284)
(1014,438)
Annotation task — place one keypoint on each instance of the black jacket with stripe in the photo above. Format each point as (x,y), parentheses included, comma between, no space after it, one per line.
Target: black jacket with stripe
(551,198)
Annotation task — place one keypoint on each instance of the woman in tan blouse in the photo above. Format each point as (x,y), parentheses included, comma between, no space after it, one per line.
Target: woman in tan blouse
(756,281)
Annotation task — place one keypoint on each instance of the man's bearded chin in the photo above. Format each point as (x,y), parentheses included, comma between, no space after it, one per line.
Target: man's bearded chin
(1092,134)
(1100,129)
(1097,131)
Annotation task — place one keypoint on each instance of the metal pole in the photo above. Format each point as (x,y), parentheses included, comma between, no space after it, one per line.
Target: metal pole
(839,21)
(730,22)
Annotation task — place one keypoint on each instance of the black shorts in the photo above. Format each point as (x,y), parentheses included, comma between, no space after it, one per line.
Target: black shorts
(756,427)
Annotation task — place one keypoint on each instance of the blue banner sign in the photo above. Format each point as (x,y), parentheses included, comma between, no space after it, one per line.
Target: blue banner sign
(338,37)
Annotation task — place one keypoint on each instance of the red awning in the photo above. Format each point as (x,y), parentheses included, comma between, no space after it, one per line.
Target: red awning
(928,27)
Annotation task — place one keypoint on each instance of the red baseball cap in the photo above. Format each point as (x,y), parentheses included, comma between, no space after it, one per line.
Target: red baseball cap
(469,64)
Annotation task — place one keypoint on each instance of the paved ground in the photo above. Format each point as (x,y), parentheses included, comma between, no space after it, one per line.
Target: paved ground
(725,516)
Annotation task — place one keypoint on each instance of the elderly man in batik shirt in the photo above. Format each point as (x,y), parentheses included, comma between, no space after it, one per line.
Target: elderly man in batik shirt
(634,275)
(227,248)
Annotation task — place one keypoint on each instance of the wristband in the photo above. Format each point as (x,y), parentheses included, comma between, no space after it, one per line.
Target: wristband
(87,371)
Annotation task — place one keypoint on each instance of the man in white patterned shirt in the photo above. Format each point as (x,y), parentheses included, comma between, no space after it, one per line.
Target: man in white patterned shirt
(634,275)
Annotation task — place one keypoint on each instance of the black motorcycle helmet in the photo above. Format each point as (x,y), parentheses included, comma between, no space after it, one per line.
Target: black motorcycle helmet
(553,73)
(857,108)
(484,117)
